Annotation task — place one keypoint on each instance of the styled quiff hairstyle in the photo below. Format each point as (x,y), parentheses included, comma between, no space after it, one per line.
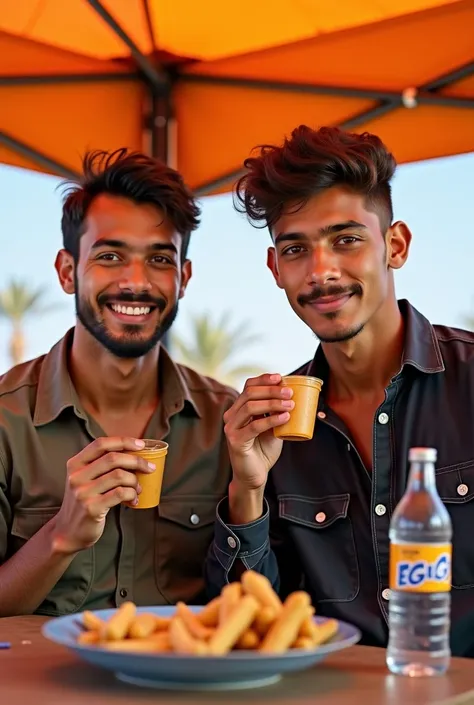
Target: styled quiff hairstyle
(283,179)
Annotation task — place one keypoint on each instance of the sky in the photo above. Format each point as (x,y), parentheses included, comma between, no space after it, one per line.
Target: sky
(230,275)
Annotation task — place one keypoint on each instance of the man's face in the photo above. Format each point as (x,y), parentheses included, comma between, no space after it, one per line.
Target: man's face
(334,262)
(128,278)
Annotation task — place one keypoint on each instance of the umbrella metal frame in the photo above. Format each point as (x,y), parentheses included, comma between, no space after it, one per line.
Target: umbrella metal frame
(160,82)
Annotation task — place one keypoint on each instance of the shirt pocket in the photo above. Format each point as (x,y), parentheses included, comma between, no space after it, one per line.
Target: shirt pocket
(456,489)
(322,532)
(184,533)
(72,589)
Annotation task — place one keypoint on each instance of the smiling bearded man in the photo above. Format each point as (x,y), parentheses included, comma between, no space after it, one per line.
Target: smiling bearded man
(70,420)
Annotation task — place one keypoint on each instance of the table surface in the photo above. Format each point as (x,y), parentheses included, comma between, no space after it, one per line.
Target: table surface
(35,670)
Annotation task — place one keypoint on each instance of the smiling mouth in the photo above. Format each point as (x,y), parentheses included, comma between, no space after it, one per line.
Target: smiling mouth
(137,313)
(329,304)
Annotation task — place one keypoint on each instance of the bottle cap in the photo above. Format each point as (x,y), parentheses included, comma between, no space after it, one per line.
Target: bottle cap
(422,455)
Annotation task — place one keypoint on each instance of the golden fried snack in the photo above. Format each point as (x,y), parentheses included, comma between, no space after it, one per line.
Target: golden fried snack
(183,642)
(135,645)
(161,641)
(309,628)
(230,597)
(239,620)
(89,638)
(325,632)
(92,621)
(209,615)
(264,619)
(249,640)
(193,625)
(119,624)
(248,615)
(142,626)
(284,631)
(260,587)
(162,623)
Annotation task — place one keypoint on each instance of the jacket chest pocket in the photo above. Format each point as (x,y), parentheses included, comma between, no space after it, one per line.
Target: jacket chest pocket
(72,589)
(184,532)
(456,489)
(322,532)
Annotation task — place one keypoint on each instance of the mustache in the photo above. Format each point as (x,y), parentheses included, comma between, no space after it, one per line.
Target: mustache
(318,292)
(125,298)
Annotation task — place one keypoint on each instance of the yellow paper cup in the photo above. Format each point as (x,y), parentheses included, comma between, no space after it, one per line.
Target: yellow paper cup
(300,426)
(153,452)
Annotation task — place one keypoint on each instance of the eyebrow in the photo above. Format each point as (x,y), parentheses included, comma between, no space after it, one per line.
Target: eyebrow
(121,245)
(324,232)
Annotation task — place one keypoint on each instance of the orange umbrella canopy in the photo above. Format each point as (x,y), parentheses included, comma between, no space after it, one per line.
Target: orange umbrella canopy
(199,85)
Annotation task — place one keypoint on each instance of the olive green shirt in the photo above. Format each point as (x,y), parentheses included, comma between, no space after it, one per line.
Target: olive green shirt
(151,556)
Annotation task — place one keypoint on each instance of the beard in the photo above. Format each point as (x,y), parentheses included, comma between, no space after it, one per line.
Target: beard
(131,344)
(342,336)
(317,292)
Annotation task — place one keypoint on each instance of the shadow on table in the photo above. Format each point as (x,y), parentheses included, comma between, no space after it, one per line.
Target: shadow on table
(300,686)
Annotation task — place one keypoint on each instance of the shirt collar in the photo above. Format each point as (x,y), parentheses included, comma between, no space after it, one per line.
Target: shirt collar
(56,391)
(421,349)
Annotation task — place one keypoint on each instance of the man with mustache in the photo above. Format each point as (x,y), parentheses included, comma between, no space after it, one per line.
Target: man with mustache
(316,514)
(70,420)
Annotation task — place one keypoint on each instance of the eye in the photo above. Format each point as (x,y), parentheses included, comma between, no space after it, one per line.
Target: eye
(293,250)
(347,240)
(108,257)
(161,259)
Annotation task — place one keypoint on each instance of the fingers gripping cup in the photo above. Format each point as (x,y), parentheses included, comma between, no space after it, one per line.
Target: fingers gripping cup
(300,426)
(153,452)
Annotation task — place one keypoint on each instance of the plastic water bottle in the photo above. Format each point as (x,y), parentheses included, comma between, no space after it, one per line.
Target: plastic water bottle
(420,574)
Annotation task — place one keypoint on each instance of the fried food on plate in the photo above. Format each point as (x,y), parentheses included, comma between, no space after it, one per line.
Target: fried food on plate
(248,615)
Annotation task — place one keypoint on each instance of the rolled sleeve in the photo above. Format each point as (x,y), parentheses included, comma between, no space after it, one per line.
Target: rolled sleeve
(248,543)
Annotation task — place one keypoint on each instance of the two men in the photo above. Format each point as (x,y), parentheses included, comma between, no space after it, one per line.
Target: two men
(316,514)
(312,515)
(70,419)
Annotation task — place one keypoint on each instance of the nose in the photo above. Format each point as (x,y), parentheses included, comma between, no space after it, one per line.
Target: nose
(323,265)
(134,278)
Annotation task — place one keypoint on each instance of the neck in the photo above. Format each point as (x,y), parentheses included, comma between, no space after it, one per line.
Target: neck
(364,365)
(106,383)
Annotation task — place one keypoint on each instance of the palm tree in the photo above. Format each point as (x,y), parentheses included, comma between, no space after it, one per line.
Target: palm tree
(469,322)
(211,347)
(16,302)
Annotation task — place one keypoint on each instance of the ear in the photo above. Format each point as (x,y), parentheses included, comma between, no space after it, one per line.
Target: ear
(65,267)
(272,264)
(186,274)
(398,241)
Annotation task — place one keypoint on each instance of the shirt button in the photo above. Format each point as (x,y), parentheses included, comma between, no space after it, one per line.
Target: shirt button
(194,519)
(383,418)
(123,592)
(380,510)
(462,490)
(321,415)
(232,542)
(386,594)
(320,517)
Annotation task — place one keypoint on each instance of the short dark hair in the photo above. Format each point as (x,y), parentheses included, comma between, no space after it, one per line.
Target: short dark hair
(131,175)
(309,162)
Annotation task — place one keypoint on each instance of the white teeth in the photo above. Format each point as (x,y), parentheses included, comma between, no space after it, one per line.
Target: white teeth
(131,310)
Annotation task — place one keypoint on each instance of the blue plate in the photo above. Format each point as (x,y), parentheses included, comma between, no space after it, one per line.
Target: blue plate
(239,669)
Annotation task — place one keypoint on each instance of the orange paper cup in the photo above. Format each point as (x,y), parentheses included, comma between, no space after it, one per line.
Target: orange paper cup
(154,452)
(300,426)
